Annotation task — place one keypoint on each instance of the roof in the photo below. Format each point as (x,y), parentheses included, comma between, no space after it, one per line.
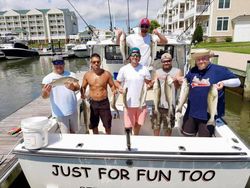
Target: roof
(2,12)
(241,18)
(22,11)
(44,10)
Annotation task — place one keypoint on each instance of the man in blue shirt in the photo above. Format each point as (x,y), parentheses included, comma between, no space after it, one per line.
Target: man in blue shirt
(200,78)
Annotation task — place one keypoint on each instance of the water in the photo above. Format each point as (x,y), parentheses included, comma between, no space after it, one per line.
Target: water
(20,83)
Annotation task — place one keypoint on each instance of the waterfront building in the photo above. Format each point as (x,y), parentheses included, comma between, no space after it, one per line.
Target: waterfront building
(217,20)
(43,25)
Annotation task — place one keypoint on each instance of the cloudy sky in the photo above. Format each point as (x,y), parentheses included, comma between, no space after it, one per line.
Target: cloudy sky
(95,12)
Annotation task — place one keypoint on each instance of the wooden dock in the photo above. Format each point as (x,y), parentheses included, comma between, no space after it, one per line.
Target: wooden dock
(38,107)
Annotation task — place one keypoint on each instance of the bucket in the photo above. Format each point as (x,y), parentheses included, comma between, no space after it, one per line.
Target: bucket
(35,132)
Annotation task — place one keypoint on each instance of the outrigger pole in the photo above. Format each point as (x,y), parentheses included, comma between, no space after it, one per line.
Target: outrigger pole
(128,17)
(82,18)
(147,9)
(110,20)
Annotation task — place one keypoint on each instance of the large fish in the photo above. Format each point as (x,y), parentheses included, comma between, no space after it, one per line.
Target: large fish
(157,98)
(170,98)
(62,81)
(123,46)
(85,115)
(113,102)
(124,97)
(143,95)
(212,100)
(183,95)
(153,48)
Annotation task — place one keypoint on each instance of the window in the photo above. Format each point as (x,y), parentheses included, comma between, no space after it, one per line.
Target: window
(112,52)
(222,23)
(224,4)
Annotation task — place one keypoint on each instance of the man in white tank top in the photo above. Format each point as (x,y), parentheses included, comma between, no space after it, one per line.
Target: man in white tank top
(176,74)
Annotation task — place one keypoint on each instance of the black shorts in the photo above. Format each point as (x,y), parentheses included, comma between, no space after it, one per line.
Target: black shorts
(100,109)
(192,126)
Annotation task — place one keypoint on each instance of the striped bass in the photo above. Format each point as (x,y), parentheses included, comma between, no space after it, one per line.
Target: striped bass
(62,81)
(153,47)
(143,95)
(183,95)
(85,112)
(124,97)
(113,102)
(157,98)
(123,46)
(212,100)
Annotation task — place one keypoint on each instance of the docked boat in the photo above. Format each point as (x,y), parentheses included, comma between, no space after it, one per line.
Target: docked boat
(17,50)
(81,50)
(2,56)
(122,160)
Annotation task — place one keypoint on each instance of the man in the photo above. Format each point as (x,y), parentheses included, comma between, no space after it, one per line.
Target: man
(200,78)
(62,97)
(98,79)
(143,41)
(176,74)
(133,75)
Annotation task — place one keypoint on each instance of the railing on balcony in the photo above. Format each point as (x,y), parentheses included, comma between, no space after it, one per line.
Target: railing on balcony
(201,8)
(181,15)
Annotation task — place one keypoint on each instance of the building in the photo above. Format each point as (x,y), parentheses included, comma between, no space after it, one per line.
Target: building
(41,25)
(215,16)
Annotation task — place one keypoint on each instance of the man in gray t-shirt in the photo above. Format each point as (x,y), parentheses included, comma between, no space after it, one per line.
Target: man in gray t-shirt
(176,74)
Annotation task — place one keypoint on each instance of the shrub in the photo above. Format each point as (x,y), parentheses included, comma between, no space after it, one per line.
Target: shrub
(228,39)
(198,35)
(213,40)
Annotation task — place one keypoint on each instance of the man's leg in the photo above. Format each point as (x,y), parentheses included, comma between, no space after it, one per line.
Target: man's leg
(106,116)
(94,118)
(190,128)
(140,119)
(73,122)
(136,129)
(63,123)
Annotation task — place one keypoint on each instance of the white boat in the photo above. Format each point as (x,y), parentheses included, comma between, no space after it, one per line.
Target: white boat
(17,50)
(81,50)
(121,160)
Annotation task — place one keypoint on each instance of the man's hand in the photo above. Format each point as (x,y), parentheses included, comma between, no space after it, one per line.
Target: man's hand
(70,85)
(156,32)
(220,85)
(46,90)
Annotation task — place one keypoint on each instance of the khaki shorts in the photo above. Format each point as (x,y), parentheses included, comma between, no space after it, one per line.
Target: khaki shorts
(68,124)
(163,120)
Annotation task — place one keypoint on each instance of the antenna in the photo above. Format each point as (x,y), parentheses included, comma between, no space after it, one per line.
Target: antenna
(147,9)
(82,19)
(128,17)
(110,20)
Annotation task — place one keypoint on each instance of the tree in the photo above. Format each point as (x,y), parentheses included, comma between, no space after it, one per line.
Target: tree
(153,25)
(198,35)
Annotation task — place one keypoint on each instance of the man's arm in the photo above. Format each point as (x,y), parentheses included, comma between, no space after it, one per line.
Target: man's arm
(178,79)
(84,85)
(233,82)
(163,39)
(111,82)
(118,36)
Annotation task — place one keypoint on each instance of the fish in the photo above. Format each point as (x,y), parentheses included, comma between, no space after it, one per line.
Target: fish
(153,48)
(61,81)
(157,98)
(169,89)
(143,95)
(123,47)
(183,95)
(85,115)
(124,97)
(113,102)
(212,101)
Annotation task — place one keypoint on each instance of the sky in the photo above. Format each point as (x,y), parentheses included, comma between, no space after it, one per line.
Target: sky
(95,12)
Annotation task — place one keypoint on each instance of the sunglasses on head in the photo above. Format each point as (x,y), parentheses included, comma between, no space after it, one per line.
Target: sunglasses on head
(167,61)
(58,62)
(145,26)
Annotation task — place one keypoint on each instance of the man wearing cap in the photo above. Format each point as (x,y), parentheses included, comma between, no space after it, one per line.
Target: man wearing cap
(176,74)
(200,78)
(143,40)
(62,97)
(98,79)
(133,76)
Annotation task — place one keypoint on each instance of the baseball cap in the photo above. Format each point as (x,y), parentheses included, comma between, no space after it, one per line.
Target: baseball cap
(134,50)
(145,21)
(166,56)
(57,60)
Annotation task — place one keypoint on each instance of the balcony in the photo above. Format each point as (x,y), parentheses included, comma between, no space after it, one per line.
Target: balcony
(189,13)
(181,16)
(200,8)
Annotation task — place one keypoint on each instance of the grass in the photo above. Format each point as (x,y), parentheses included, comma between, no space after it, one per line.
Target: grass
(236,47)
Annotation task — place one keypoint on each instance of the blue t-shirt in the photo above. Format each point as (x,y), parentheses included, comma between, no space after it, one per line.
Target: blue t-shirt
(200,82)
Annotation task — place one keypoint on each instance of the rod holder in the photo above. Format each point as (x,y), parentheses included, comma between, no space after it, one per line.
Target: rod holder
(128,132)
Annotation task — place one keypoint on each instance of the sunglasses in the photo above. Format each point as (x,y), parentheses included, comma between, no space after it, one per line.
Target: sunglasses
(58,62)
(166,61)
(135,55)
(144,26)
(94,62)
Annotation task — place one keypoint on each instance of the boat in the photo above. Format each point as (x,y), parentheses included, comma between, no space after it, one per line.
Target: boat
(124,160)
(17,50)
(2,56)
(81,50)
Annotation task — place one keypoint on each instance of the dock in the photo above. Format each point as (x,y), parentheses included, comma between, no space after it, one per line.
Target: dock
(9,164)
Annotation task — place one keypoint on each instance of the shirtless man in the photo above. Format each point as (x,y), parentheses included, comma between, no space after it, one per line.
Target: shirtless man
(98,79)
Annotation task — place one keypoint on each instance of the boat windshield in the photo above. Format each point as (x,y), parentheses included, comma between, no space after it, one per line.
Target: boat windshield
(112,52)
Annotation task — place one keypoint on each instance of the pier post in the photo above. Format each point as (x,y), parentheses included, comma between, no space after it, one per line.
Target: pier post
(247,83)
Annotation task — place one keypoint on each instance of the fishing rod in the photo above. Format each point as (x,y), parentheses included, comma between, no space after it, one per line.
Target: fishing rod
(110,20)
(82,18)
(206,7)
(147,9)
(128,17)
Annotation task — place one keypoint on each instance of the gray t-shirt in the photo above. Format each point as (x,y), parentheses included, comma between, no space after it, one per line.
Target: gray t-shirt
(161,74)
